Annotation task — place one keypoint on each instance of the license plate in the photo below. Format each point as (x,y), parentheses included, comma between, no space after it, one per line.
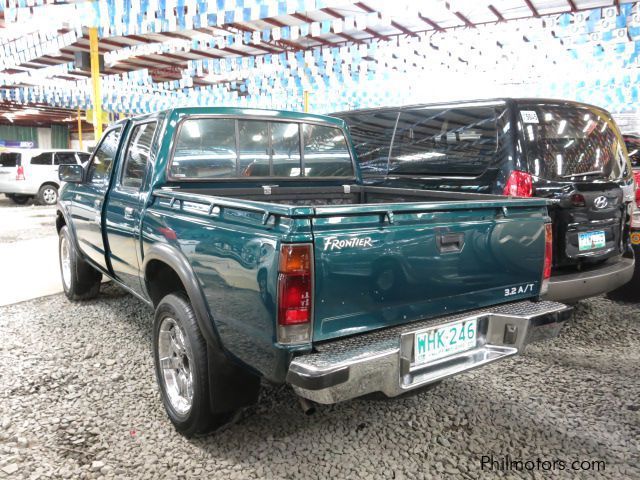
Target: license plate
(444,340)
(591,240)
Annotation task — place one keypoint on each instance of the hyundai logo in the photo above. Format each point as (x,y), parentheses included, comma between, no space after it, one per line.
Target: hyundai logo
(600,202)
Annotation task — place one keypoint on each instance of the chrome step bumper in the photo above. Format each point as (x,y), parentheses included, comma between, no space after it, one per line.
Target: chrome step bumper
(381,361)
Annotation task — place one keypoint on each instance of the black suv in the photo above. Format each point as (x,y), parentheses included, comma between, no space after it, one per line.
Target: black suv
(570,152)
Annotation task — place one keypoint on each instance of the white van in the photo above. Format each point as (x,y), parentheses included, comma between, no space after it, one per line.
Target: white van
(28,173)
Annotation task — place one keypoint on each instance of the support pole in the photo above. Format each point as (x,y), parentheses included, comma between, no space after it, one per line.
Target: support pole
(305,97)
(95,81)
(79,129)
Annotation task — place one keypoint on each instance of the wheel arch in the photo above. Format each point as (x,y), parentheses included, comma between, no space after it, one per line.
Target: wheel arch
(170,263)
(232,384)
(49,182)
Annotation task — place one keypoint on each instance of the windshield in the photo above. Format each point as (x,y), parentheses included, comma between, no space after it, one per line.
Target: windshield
(565,142)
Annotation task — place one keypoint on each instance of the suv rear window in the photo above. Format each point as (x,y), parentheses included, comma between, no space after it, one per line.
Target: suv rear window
(453,141)
(571,141)
(10,159)
(215,148)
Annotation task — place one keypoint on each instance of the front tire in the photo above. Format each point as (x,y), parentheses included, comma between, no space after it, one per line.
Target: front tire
(181,364)
(48,195)
(80,280)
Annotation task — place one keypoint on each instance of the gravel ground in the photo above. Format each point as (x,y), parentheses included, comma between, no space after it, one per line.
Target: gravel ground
(78,399)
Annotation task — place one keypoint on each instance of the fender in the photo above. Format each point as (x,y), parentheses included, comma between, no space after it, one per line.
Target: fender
(224,369)
(69,224)
(179,263)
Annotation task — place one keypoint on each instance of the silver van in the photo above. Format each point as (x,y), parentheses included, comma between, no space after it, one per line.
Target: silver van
(28,173)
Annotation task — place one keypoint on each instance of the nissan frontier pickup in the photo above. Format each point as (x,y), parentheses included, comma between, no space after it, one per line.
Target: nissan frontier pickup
(265,258)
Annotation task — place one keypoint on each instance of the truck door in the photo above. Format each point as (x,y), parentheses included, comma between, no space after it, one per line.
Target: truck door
(125,202)
(89,197)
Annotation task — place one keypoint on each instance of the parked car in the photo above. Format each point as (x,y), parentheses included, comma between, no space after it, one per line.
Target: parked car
(28,173)
(568,152)
(631,290)
(247,274)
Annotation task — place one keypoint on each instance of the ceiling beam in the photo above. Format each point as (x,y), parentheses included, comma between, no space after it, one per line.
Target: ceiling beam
(533,9)
(431,23)
(464,20)
(497,13)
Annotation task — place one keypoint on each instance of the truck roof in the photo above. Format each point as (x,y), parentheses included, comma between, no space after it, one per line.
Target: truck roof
(247,112)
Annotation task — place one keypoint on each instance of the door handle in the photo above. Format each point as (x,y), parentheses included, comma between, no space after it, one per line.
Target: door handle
(97,203)
(450,242)
(128,212)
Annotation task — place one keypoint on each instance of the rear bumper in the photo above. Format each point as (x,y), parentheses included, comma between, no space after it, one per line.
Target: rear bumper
(381,361)
(572,287)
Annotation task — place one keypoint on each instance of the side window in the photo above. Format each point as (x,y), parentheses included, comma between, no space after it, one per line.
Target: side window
(64,158)
(135,163)
(100,168)
(42,159)
(372,134)
(254,148)
(205,148)
(325,152)
(455,141)
(83,157)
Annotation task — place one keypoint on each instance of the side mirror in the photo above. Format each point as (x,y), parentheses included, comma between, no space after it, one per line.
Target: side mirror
(71,173)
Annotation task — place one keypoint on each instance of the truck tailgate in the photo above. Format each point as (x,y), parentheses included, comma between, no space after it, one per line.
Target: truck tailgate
(377,268)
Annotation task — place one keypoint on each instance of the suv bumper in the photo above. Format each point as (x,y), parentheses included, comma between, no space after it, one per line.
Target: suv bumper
(20,188)
(380,361)
(571,287)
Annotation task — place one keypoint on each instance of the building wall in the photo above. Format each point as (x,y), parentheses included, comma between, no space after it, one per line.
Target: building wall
(44,137)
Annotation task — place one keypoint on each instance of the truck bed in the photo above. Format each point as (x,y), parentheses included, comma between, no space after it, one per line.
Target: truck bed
(383,256)
(340,195)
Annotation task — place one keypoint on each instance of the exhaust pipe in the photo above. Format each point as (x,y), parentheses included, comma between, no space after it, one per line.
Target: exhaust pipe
(308,407)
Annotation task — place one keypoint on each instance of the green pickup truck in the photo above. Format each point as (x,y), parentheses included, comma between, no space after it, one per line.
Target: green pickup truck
(265,258)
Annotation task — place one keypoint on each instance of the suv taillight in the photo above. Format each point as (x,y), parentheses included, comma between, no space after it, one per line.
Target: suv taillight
(636,178)
(519,184)
(295,293)
(548,257)
(20,173)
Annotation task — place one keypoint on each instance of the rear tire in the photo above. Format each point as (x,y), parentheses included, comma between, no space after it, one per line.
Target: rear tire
(79,279)
(19,199)
(182,368)
(48,195)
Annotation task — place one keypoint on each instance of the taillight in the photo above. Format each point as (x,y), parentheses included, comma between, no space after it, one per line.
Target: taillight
(548,257)
(295,293)
(577,200)
(20,173)
(519,184)
(636,177)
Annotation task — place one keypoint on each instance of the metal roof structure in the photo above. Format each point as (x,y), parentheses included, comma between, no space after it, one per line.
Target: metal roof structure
(178,49)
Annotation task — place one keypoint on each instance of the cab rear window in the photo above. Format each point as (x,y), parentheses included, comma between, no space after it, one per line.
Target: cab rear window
(10,159)
(218,148)
(563,142)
